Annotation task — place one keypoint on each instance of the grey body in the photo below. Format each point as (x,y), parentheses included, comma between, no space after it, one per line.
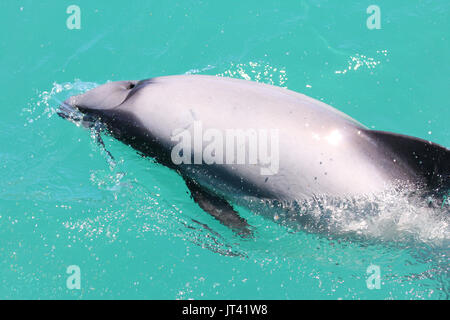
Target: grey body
(321,150)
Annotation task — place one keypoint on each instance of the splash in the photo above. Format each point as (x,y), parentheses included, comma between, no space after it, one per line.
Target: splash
(358,61)
(48,101)
(398,215)
(257,71)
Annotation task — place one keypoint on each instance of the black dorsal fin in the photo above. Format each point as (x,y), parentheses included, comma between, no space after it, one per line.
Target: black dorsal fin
(427,159)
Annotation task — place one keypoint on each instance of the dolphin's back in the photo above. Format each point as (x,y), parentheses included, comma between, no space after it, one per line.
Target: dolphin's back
(321,150)
(168,104)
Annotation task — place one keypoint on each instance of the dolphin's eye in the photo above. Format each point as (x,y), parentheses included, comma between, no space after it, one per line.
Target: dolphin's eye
(131,86)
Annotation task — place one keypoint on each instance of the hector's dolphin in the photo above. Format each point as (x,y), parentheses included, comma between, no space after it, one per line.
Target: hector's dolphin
(310,148)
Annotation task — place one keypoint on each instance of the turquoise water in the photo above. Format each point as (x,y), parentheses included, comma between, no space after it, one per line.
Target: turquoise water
(126,224)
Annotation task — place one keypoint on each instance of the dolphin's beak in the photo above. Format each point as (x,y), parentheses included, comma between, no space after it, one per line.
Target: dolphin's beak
(69,111)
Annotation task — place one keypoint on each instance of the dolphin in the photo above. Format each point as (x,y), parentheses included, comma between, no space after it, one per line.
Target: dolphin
(316,150)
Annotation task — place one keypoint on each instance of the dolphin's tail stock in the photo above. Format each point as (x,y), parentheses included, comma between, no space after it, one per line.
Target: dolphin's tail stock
(428,161)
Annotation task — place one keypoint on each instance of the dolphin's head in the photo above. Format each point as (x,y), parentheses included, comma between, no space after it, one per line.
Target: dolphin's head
(110,107)
(104,97)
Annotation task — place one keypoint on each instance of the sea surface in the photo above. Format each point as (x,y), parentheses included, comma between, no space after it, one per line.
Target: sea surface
(127,225)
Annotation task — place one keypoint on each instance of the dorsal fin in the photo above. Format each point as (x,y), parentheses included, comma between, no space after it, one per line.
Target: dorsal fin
(427,159)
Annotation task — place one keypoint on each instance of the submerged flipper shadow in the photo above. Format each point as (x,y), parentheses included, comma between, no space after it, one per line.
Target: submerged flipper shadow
(219,208)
